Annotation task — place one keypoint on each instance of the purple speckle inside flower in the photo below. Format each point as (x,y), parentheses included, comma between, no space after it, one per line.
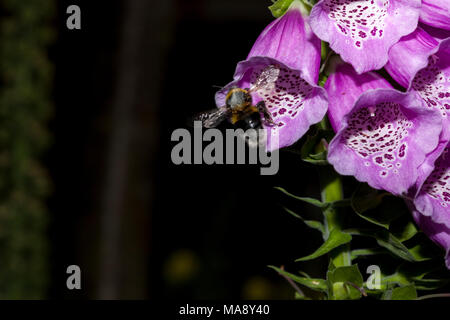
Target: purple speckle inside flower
(284,94)
(378,133)
(361,20)
(432,85)
(438,184)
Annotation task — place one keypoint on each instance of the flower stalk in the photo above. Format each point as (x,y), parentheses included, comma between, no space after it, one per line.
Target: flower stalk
(331,191)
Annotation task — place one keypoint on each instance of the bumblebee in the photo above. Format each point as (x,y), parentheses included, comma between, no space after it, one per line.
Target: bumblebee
(239,107)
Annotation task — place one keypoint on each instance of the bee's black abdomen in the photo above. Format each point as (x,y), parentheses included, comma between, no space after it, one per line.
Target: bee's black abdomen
(253,121)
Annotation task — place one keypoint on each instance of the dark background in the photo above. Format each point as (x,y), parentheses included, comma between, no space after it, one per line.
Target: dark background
(138,225)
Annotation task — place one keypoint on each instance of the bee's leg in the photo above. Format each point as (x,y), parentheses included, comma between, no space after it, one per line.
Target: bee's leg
(266,113)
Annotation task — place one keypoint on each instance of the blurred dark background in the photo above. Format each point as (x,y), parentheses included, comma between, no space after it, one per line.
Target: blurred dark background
(87,117)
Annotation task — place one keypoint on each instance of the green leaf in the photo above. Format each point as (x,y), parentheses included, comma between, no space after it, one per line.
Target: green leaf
(387,295)
(408,292)
(323,77)
(314,284)
(430,284)
(335,239)
(317,162)
(366,199)
(420,253)
(408,273)
(313,150)
(305,274)
(300,297)
(385,239)
(331,265)
(310,223)
(319,156)
(280,7)
(338,282)
(394,279)
(312,201)
(403,230)
(366,252)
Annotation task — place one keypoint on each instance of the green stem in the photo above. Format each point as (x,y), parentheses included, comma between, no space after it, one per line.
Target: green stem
(331,186)
(331,191)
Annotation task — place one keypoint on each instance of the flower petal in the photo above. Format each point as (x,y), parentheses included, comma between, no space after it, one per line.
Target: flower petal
(418,47)
(290,40)
(434,197)
(436,13)
(432,83)
(438,34)
(344,86)
(363,31)
(295,104)
(384,139)
(427,167)
(439,233)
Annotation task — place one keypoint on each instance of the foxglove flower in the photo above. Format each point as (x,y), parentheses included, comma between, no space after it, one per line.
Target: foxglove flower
(436,13)
(433,199)
(437,232)
(344,86)
(363,31)
(410,55)
(438,34)
(431,208)
(282,69)
(432,84)
(385,138)
(426,73)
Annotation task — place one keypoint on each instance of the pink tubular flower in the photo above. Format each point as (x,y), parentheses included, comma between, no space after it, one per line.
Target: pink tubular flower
(417,47)
(426,70)
(431,208)
(439,233)
(436,13)
(363,31)
(291,51)
(385,135)
(384,139)
(433,199)
(290,40)
(344,86)
(426,73)
(432,83)
(436,33)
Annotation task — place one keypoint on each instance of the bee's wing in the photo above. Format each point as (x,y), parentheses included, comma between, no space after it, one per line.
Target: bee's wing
(212,118)
(266,79)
